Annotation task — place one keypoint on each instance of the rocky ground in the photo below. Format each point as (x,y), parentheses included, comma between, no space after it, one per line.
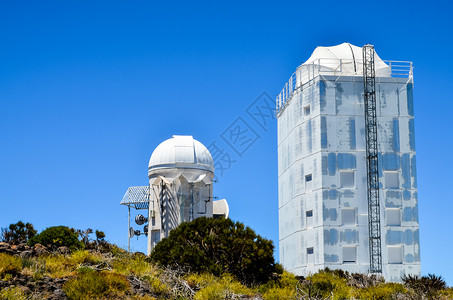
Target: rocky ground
(46,287)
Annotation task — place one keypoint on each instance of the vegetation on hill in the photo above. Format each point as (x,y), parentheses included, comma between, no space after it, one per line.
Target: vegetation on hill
(58,236)
(18,233)
(218,246)
(104,271)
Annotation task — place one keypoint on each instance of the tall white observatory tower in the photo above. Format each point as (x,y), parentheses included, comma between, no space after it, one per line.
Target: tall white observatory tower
(180,172)
(346,169)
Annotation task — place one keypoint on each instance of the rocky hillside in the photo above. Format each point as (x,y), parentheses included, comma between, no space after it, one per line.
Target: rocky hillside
(109,272)
(39,273)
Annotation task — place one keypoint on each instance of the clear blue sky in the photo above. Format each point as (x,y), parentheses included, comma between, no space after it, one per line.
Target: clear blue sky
(89,88)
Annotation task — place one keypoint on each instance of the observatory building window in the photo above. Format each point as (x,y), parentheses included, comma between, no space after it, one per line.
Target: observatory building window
(348,216)
(307,110)
(392,180)
(308,181)
(155,236)
(309,215)
(393,217)
(349,254)
(395,255)
(310,256)
(347,179)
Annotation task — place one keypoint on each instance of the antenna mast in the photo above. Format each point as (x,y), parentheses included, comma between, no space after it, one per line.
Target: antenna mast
(374,217)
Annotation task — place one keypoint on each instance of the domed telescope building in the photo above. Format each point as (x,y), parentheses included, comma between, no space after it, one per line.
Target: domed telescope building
(346,165)
(180,172)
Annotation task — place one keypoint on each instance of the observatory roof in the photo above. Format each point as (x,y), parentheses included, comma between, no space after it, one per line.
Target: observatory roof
(344,59)
(181,151)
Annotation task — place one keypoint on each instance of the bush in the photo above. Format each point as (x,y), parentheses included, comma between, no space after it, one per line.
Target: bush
(218,246)
(18,233)
(58,236)
(9,265)
(216,288)
(381,291)
(426,286)
(327,284)
(85,257)
(12,293)
(282,288)
(136,265)
(90,284)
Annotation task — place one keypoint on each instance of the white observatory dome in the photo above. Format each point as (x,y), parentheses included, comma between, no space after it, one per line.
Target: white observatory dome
(344,59)
(181,152)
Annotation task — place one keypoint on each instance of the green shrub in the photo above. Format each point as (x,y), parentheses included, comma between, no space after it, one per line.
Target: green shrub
(218,246)
(90,284)
(382,291)
(326,284)
(429,286)
(59,266)
(18,233)
(137,266)
(282,288)
(217,288)
(58,236)
(158,287)
(85,257)
(9,265)
(34,267)
(12,293)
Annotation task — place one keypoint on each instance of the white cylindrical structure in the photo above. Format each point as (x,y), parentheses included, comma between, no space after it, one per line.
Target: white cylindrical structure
(322,171)
(180,172)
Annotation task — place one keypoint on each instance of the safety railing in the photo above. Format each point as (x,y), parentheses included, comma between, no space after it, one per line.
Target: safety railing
(400,69)
(306,73)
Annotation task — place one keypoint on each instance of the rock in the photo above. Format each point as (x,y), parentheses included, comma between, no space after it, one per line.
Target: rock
(24,289)
(26,254)
(38,245)
(59,294)
(22,246)
(41,250)
(63,250)
(7,251)
(31,285)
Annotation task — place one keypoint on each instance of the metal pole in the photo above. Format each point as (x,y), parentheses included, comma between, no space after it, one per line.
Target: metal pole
(191,202)
(129,226)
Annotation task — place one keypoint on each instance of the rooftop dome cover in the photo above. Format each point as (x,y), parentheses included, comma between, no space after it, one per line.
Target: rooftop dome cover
(346,59)
(181,151)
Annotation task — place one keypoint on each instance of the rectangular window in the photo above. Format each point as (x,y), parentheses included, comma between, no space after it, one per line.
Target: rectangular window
(307,110)
(393,217)
(347,179)
(349,254)
(155,236)
(395,254)
(348,216)
(309,216)
(310,256)
(308,181)
(392,180)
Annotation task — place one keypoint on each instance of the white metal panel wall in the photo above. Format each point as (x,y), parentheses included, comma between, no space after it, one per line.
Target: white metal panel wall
(331,140)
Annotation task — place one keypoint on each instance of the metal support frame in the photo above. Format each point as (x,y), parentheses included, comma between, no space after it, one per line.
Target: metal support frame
(137,197)
(128,226)
(374,212)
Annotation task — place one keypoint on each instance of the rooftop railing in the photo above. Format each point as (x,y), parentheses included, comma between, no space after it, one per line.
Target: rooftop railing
(306,73)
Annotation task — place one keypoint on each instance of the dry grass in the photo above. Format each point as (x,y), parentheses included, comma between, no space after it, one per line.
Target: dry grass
(9,265)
